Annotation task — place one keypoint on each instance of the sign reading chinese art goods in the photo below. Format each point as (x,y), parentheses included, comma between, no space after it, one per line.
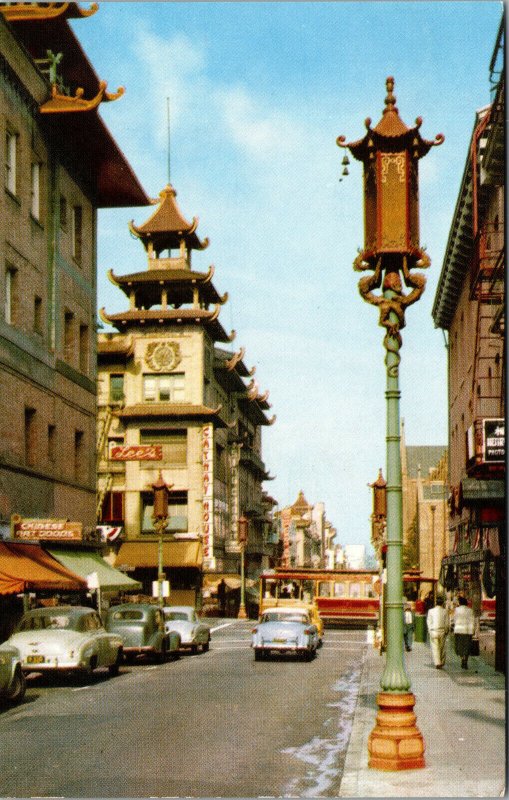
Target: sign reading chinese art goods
(494,440)
(137,452)
(208,492)
(47,529)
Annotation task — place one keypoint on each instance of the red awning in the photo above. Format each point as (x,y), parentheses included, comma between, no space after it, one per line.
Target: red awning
(27,567)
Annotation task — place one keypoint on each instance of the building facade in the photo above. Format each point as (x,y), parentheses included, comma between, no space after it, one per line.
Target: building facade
(60,164)
(176,400)
(306,535)
(469,305)
(424,481)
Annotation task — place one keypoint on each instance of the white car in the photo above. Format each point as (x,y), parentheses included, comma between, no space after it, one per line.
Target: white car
(193,632)
(12,680)
(67,639)
(285,630)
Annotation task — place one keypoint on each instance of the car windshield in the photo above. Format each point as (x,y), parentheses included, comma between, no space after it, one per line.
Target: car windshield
(127,614)
(174,615)
(41,622)
(276,616)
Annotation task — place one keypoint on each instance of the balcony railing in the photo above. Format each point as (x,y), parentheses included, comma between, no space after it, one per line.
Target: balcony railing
(487,266)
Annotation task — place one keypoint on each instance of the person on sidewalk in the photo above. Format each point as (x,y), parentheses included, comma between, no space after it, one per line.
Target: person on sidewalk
(463,631)
(408,626)
(438,627)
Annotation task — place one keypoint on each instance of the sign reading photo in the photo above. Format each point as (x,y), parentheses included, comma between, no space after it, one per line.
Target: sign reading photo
(494,440)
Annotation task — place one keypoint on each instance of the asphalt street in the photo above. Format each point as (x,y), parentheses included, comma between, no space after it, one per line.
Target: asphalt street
(216,724)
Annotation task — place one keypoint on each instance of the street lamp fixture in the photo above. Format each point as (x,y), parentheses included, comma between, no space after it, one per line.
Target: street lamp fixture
(160,519)
(390,153)
(243,534)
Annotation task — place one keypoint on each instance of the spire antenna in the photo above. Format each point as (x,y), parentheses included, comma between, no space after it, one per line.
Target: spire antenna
(169,138)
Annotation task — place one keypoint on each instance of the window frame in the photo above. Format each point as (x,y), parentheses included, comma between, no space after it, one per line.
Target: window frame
(11,161)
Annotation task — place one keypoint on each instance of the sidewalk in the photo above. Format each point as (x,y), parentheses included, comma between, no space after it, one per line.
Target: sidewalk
(461,715)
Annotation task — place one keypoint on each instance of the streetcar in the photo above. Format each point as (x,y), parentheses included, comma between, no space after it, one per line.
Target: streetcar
(342,596)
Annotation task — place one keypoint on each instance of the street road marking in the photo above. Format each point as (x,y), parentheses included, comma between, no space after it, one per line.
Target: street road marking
(224,625)
(80,688)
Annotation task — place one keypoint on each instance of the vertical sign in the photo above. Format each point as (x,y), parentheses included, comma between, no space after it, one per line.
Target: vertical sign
(286,518)
(208,494)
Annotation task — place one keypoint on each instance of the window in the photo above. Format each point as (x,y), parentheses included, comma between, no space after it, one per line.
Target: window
(79,455)
(113,507)
(11,146)
(63,213)
(84,348)
(174,443)
(30,437)
(77,232)
(69,336)
(38,315)
(11,295)
(164,388)
(177,512)
(116,388)
(35,197)
(51,443)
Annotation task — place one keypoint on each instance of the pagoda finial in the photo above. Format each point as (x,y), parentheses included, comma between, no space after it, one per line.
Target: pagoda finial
(390,100)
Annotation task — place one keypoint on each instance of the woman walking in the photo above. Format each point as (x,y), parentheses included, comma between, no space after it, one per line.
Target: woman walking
(463,631)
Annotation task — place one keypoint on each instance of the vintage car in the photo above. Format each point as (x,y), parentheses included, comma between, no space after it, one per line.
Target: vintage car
(12,680)
(142,630)
(67,639)
(193,632)
(285,630)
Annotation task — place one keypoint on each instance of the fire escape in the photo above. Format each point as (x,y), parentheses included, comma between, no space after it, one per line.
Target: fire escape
(487,283)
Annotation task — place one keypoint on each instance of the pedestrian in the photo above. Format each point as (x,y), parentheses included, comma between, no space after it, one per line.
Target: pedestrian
(408,626)
(463,631)
(438,627)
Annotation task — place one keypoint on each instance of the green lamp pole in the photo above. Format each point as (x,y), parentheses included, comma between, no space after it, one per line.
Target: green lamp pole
(160,519)
(390,153)
(243,533)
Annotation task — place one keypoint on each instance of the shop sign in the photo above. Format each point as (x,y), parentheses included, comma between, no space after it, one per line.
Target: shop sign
(47,529)
(137,452)
(494,440)
(208,492)
(110,533)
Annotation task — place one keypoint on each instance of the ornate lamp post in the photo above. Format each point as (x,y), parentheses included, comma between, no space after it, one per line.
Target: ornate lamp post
(243,532)
(160,519)
(390,153)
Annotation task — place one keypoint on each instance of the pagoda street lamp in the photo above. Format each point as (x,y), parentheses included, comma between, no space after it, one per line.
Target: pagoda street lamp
(243,532)
(160,519)
(390,153)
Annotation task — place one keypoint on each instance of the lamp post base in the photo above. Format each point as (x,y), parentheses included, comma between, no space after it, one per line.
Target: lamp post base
(395,743)
(242,612)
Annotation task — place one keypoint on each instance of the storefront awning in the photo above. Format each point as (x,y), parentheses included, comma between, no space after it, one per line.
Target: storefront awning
(146,554)
(27,567)
(470,557)
(474,490)
(211,580)
(88,563)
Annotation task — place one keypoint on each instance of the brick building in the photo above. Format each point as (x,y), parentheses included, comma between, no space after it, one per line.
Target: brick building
(469,305)
(60,164)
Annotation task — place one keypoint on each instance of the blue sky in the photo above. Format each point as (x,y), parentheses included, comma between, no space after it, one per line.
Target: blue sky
(258,94)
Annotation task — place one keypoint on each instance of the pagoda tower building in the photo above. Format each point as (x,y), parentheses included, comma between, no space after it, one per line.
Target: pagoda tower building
(174,397)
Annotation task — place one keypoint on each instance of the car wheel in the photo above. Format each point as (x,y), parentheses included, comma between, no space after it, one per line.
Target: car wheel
(114,668)
(87,671)
(161,657)
(205,646)
(18,688)
(259,655)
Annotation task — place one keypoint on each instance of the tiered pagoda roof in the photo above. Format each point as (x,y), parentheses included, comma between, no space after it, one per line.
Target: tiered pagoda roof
(169,291)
